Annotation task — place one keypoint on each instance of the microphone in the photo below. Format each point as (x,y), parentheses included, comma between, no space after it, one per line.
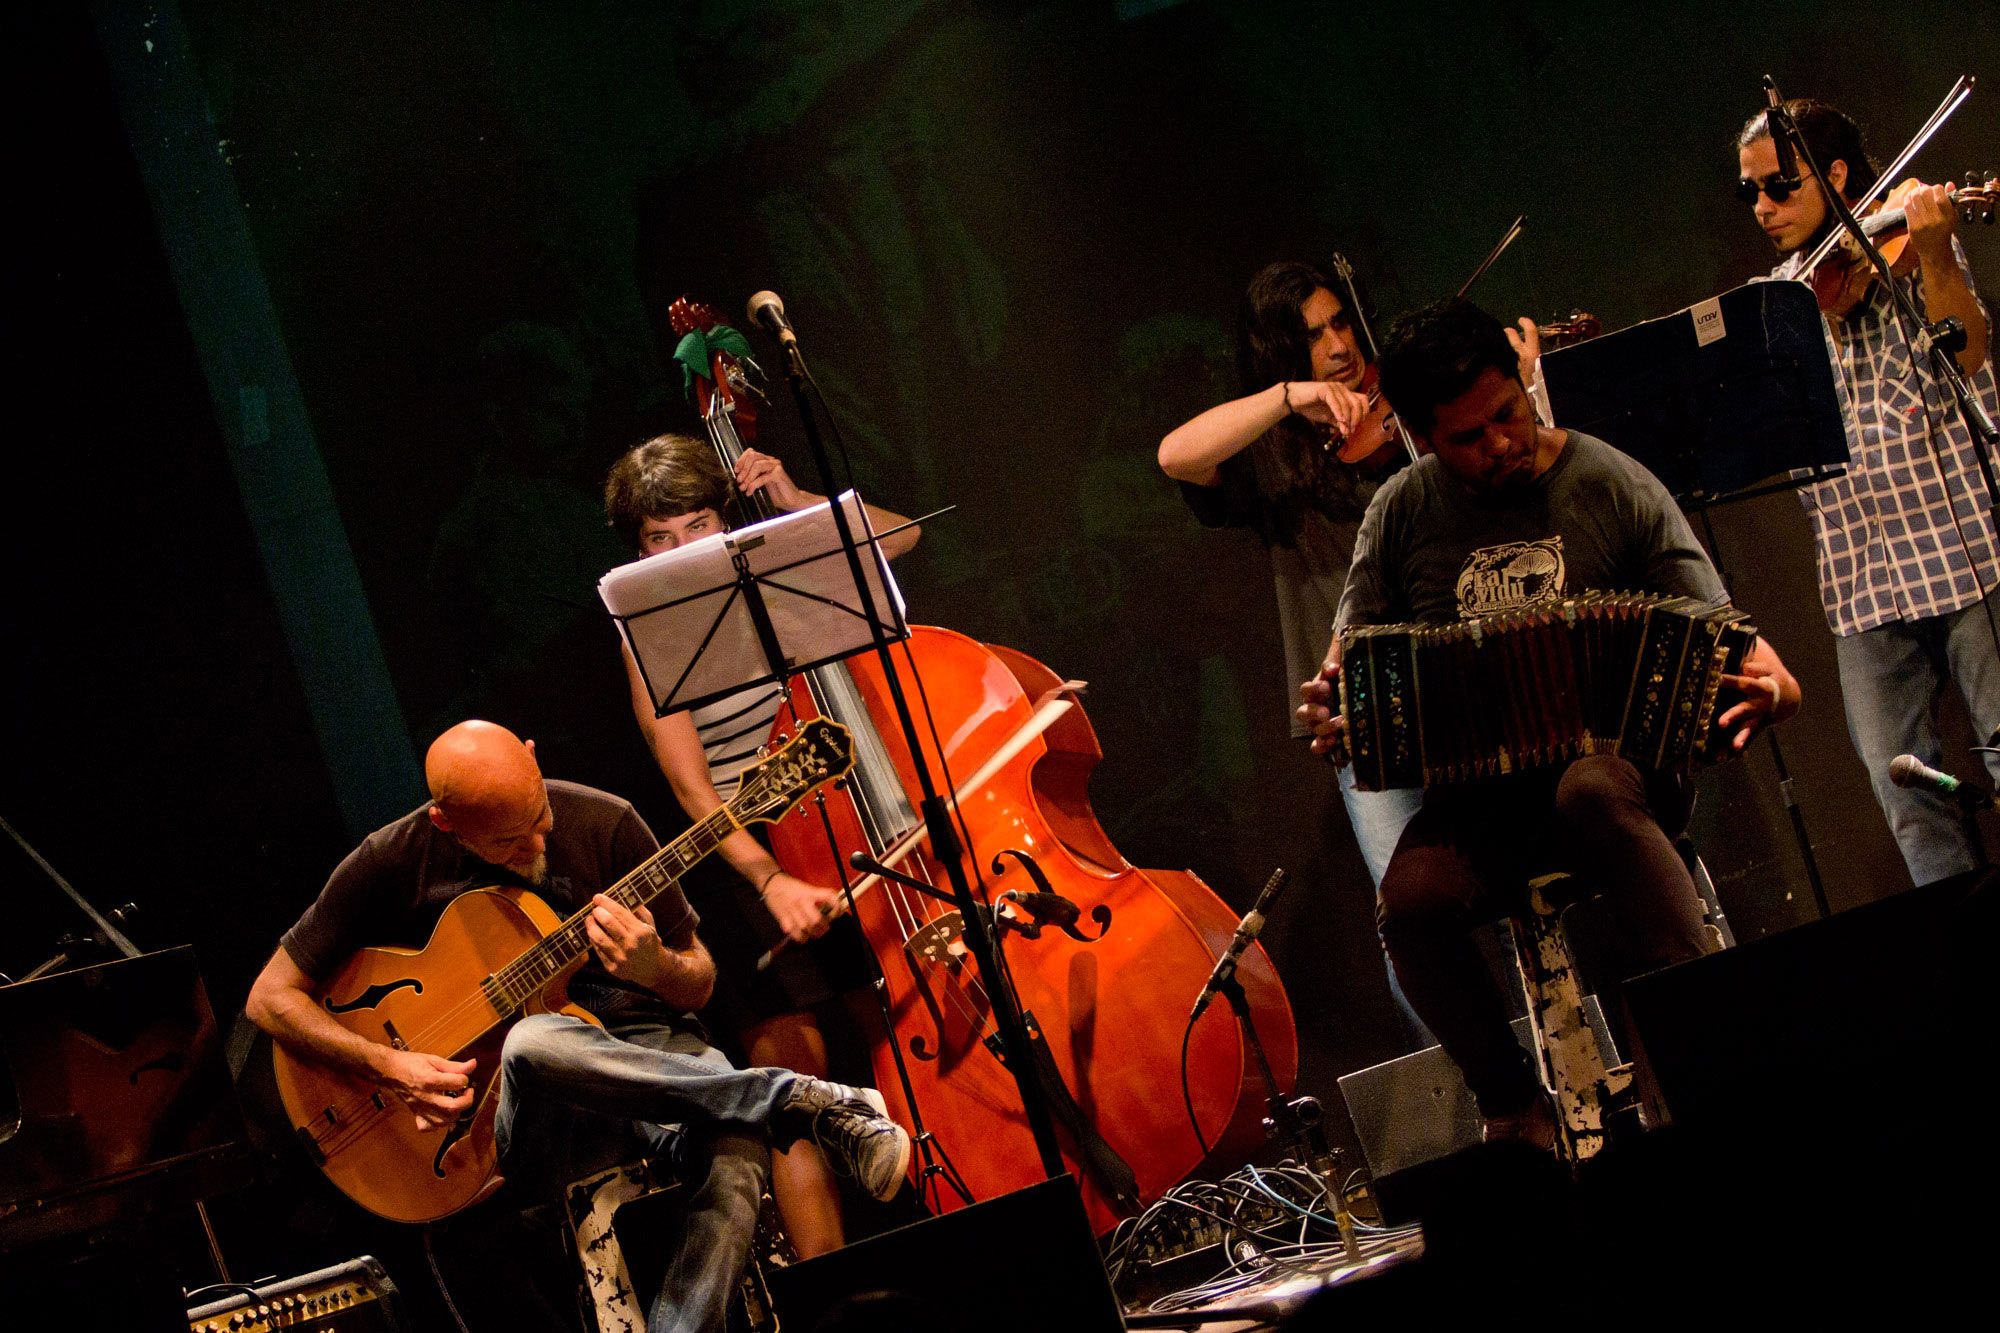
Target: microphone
(1247,931)
(1906,770)
(767,310)
(1788,167)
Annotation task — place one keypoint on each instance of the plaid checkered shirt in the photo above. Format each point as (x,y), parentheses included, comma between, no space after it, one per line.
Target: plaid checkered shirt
(1888,549)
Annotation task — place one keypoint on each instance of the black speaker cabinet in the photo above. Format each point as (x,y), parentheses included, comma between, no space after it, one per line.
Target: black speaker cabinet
(1025,1260)
(1847,1049)
(1864,1013)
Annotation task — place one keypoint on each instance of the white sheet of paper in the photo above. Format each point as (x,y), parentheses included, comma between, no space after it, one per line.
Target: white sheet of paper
(666,638)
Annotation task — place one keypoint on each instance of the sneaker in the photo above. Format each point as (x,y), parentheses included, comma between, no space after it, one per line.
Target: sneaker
(853,1128)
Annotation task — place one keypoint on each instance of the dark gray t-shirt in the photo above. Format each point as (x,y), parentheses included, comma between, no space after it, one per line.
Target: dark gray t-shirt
(1431,551)
(392,889)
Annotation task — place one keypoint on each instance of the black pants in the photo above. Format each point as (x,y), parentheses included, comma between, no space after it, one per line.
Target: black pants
(1466,857)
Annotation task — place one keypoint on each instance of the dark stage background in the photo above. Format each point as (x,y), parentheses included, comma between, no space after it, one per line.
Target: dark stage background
(1012,236)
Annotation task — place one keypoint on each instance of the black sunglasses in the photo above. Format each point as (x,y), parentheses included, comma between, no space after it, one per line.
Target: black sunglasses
(1774,185)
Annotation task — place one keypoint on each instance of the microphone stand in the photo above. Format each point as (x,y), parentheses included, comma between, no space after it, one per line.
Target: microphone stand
(1786,792)
(1296,1122)
(1015,1042)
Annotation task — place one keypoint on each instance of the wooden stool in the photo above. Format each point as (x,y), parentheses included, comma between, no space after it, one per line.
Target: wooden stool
(1571,1062)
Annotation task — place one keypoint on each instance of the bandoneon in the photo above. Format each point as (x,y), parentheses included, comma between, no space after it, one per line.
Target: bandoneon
(1629,674)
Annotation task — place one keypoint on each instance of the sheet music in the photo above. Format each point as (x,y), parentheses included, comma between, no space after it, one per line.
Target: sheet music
(666,604)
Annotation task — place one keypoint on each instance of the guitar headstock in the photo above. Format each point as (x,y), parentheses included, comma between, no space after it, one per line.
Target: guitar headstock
(726,385)
(820,753)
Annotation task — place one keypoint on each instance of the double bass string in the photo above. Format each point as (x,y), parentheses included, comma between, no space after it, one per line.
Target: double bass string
(909,916)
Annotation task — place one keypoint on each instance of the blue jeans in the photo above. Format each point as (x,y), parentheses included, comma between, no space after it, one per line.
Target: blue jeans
(1891,678)
(575,1098)
(1378,818)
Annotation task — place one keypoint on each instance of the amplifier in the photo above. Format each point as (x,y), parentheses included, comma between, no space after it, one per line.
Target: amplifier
(1416,1110)
(354,1297)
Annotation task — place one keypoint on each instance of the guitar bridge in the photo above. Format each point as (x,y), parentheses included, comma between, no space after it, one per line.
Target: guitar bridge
(313,1151)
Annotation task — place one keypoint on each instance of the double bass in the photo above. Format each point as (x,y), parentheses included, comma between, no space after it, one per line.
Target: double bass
(1105,995)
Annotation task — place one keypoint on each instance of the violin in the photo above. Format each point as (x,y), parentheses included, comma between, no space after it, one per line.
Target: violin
(1372,444)
(1841,280)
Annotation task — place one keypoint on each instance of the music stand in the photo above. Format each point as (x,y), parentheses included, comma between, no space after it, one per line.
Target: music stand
(1732,398)
(759,604)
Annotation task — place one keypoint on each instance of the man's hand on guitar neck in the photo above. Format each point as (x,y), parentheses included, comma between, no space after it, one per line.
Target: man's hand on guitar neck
(436,1090)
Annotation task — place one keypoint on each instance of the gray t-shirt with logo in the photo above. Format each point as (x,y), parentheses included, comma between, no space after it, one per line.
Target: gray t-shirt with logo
(1432,551)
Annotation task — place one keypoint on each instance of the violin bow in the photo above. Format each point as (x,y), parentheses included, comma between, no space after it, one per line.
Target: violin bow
(1887,180)
(1513,234)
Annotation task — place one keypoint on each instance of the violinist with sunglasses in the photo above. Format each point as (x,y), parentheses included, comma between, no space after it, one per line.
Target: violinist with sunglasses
(1901,581)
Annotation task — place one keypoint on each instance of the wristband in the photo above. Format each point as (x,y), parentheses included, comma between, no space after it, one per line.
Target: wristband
(1285,386)
(765,882)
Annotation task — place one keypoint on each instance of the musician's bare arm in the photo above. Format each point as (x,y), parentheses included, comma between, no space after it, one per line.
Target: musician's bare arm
(801,908)
(1771,694)
(1195,450)
(281,1002)
(679,971)
(758,471)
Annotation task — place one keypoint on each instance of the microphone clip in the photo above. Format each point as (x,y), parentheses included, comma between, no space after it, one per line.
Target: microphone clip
(1044,905)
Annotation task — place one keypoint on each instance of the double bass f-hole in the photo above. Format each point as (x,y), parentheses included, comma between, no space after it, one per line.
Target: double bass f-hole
(1044,905)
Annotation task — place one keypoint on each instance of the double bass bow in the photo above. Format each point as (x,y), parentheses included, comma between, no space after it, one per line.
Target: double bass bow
(1104,994)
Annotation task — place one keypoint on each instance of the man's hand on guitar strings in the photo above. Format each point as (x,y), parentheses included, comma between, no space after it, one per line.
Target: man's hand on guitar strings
(626,942)
(436,1090)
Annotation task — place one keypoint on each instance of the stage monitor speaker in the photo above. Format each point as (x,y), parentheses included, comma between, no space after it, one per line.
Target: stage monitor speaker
(1026,1260)
(1847,1028)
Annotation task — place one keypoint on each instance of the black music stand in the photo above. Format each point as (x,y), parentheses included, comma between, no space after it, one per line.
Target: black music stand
(1732,398)
(754,605)
(762,603)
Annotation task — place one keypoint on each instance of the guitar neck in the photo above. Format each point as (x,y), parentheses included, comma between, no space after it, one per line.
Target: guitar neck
(568,945)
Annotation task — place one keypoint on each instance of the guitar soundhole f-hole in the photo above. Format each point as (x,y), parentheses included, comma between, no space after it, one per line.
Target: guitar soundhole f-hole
(374,995)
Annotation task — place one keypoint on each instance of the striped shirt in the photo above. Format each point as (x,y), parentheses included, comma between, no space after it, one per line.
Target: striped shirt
(1888,547)
(731,730)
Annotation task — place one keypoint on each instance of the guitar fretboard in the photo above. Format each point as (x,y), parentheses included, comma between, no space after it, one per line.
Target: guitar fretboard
(568,944)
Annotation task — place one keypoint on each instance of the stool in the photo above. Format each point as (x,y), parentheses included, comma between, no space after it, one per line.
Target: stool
(609,1298)
(1571,1062)
(613,1293)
